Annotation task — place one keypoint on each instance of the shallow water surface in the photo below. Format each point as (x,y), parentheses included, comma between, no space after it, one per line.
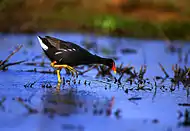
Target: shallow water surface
(80,107)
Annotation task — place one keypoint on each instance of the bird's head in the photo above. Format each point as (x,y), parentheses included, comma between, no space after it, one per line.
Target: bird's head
(111,64)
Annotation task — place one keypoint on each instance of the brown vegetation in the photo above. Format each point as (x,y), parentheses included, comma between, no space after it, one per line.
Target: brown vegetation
(71,15)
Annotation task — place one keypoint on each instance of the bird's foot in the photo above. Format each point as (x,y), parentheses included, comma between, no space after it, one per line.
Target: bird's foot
(73,71)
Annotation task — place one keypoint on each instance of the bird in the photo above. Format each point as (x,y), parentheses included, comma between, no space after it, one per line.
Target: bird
(65,54)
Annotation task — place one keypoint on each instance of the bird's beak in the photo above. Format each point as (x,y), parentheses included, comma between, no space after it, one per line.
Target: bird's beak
(114,68)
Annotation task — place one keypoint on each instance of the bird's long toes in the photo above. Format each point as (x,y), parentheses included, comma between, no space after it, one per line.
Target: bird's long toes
(76,74)
(72,72)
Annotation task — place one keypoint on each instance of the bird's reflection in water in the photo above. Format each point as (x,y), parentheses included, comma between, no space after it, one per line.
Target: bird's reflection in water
(62,102)
(69,101)
(66,102)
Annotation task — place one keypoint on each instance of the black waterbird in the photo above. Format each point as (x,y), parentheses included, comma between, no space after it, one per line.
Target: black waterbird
(64,54)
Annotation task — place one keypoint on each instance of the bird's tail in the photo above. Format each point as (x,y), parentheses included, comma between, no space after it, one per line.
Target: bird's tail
(42,43)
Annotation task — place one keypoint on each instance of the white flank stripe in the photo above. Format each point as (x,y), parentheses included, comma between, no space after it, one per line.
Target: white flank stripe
(63,50)
(60,59)
(58,53)
(42,44)
(74,49)
(69,49)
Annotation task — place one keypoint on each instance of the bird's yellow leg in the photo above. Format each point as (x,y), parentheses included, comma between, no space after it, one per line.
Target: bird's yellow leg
(53,63)
(73,71)
(58,76)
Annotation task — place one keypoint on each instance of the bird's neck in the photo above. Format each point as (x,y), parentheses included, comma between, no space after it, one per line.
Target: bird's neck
(99,60)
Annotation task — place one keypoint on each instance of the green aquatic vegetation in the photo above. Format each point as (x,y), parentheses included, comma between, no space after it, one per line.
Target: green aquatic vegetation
(132,27)
(107,23)
(176,29)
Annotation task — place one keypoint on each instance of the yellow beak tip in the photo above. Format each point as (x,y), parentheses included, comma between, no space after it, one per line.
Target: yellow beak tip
(115,72)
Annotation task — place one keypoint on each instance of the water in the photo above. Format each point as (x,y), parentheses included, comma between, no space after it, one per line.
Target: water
(72,108)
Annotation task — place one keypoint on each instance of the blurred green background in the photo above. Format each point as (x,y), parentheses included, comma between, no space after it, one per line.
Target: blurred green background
(158,19)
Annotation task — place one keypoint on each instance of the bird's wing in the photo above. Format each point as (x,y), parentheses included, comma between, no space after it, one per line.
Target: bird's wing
(60,44)
(53,41)
(65,46)
(67,50)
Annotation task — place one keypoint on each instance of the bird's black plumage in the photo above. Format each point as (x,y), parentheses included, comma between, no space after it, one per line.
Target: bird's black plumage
(64,52)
